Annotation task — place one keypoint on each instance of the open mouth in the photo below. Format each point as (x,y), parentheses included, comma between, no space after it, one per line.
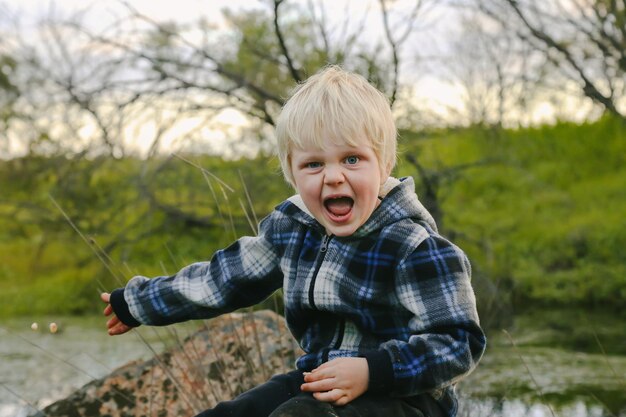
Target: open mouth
(339,207)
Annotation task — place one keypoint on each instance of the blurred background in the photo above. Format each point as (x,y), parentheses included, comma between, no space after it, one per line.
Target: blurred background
(137,137)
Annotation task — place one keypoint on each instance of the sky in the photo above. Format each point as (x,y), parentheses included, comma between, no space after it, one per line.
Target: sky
(432,86)
(102,14)
(179,10)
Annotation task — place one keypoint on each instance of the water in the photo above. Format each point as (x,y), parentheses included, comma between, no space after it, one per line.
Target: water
(550,363)
(38,368)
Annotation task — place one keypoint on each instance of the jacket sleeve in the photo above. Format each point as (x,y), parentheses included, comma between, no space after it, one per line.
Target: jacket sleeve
(446,341)
(241,275)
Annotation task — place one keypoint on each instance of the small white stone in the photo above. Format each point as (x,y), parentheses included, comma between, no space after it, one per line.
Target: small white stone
(34,326)
(53,328)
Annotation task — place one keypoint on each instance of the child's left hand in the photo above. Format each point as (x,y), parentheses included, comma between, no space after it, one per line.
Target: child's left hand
(114,324)
(338,381)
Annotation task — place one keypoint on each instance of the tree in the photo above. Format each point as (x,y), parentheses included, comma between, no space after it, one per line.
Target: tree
(581,41)
(93,91)
(9,93)
(491,68)
(86,92)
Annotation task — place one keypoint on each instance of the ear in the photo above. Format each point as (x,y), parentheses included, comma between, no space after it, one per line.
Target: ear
(383,179)
(385,172)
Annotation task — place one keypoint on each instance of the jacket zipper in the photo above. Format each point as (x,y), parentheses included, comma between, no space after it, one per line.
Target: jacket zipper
(340,332)
(320,260)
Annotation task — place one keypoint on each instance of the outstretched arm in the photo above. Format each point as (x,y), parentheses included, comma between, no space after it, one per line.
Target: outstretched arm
(241,275)
(114,325)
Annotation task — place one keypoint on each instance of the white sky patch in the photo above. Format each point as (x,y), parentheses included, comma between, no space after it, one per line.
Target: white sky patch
(432,89)
(438,94)
(213,137)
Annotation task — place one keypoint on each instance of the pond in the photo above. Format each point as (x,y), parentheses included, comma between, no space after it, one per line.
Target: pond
(546,363)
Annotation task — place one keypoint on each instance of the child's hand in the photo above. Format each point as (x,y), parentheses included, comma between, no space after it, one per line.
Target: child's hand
(114,324)
(338,381)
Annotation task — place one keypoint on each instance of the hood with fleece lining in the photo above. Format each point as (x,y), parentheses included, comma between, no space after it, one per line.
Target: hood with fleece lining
(399,201)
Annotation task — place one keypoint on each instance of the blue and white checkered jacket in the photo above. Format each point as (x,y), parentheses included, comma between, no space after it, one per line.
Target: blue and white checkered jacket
(394,292)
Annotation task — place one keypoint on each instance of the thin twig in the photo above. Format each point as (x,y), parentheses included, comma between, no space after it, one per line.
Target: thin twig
(108,258)
(205,381)
(245,190)
(606,358)
(30,404)
(532,377)
(191,363)
(87,241)
(168,371)
(217,203)
(215,177)
(250,222)
(259,347)
(229,212)
(68,363)
(242,343)
(172,257)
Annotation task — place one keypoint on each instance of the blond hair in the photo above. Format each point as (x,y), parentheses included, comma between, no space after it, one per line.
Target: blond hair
(339,107)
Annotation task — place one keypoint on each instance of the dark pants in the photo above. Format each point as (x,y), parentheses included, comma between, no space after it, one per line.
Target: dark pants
(281,397)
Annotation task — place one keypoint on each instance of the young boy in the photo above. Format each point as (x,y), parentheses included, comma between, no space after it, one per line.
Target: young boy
(380,303)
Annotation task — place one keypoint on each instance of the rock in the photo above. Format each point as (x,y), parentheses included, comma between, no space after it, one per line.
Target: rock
(231,354)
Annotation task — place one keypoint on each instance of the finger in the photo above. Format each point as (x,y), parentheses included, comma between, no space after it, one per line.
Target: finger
(118,329)
(319,386)
(319,374)
(105,296)
(342,401)
(108,310)
(113,321)
(115,331)
(312,377)
(329,396)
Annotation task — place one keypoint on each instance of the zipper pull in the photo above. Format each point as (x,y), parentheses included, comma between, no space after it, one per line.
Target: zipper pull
(325,241)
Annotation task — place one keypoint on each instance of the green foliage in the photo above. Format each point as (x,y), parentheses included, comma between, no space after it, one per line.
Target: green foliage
(539,211)
(544,213)
(260,59)
(125,217)
(8,91)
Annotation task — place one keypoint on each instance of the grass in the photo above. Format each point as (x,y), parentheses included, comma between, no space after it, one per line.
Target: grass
(517,377)
(582,233)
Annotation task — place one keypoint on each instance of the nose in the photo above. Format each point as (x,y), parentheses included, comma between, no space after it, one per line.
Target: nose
(333,174)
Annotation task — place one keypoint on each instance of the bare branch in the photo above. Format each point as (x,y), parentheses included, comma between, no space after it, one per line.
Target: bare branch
(238,79)
(321,24)
(295,74)
(394,52)
(589,87)
(395,44)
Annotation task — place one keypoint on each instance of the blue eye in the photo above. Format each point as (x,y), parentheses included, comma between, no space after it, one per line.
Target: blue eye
(313,165)
(351,160)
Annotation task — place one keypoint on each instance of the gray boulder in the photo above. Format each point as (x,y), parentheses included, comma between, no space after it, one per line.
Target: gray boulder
(231,354)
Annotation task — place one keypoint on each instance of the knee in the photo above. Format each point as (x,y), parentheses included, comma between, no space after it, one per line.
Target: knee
(303,406)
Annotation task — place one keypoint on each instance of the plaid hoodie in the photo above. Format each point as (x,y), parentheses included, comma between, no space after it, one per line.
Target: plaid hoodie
(394,292)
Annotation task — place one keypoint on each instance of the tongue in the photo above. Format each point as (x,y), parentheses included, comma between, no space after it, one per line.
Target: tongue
(339,206)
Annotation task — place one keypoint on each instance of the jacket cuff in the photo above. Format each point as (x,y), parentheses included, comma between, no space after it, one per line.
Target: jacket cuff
(380,372)
(120,308)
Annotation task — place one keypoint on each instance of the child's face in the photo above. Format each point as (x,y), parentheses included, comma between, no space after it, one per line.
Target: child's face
(339,185)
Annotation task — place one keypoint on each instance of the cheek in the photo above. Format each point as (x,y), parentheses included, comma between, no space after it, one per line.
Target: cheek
(370,190)
(306,186)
